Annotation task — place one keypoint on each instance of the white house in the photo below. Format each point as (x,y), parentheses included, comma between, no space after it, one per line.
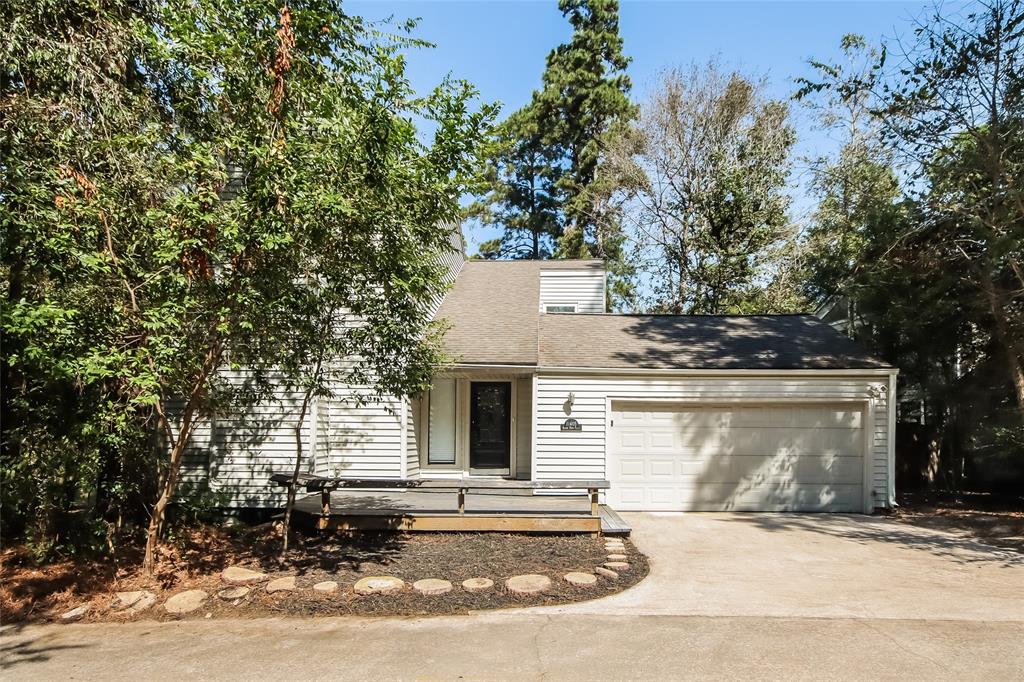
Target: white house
(676,412)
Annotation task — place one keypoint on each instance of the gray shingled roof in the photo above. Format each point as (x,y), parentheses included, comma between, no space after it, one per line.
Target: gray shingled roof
(697,342)
(493,310)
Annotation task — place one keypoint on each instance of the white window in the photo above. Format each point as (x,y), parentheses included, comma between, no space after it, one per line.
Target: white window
(560,308)
(441,404)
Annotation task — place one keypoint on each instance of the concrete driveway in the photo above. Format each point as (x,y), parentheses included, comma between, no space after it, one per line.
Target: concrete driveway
(729,597)
(815,566)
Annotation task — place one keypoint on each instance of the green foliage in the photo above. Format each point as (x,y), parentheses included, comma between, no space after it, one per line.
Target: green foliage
(517,191)
(700,181)
(540,186)
(584,95)
(185,184)
(860,200)
(930,267)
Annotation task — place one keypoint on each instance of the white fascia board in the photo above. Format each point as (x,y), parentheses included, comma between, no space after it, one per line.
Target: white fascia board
(872,371)
(891,445)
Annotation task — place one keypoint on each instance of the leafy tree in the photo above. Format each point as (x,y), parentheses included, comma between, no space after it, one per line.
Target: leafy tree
(518,191)
(958,115)
(859,194)
(208,175)
(700,180)
(72,414)
(934,273)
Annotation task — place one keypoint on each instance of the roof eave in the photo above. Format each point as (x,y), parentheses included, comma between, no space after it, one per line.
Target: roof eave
(553,369)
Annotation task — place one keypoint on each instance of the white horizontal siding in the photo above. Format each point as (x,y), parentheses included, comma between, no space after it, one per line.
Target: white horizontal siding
(524,421)
(451,260)
(321,460)
(365,440)
(373,439)
(583,288)
(412,449)
(232,456)
(575,455)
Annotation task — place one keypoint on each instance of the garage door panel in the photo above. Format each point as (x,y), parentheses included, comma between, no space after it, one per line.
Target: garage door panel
(841,440)
(628,467)
(825,468)
(743,458)
(848,419)
(691,467)
(631,496)
(631,440)
(664,440)
(661,468)
(661,496)
(724,497)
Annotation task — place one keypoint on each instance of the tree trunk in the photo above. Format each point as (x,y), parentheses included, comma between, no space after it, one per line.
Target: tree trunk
(156,520)
(170,482)
(290,502)
(1011,347)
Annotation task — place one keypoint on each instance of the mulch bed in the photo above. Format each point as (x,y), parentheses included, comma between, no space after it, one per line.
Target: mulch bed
(995,519)
(29,593)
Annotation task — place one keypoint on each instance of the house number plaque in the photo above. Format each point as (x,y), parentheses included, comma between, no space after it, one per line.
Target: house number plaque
(571,425)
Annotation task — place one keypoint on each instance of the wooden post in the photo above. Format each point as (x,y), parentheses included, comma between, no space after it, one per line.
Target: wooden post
(462,500)
(594,511)
(325,502)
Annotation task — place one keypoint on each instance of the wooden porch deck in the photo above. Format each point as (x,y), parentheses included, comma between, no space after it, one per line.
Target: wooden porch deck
(436,510)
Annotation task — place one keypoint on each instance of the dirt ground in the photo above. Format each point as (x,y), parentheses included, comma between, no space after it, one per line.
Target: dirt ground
(996,519)
(31,593)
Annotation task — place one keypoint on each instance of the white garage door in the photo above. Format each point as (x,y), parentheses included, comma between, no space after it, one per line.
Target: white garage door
(745,458)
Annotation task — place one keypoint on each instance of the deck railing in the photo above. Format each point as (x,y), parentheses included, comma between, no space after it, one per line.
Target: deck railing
(325,486)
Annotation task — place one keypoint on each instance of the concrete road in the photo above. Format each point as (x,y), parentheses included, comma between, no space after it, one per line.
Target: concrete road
(520,647)
(729,596)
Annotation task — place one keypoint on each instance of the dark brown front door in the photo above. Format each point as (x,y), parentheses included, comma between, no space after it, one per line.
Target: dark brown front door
(490,424)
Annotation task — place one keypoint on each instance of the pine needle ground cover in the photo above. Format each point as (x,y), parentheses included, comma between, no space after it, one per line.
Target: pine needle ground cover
(195,562)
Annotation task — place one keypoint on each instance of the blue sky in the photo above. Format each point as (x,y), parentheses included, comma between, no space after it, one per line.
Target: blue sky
(501,46)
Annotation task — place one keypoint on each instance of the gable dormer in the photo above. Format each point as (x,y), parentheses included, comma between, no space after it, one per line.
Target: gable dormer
(572,286)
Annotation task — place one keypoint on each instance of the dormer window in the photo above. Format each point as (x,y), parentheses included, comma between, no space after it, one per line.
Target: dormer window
(560,308)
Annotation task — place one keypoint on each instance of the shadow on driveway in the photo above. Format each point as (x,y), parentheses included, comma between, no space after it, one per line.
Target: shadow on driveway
(944,544)
(16,651)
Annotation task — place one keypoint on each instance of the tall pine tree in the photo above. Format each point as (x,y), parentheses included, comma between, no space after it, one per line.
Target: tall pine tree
(585,93)
(518,191)
(538,187)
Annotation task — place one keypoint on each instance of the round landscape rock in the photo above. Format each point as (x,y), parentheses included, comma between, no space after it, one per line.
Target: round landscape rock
(236,575)
(617,565)
(286,584)
(378,584)
(185,602)
(135,601)
(432,586)
(477,584)
(580,579)
(606,573)
(617,557)
(233,593)
(531,583)
(327,587)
